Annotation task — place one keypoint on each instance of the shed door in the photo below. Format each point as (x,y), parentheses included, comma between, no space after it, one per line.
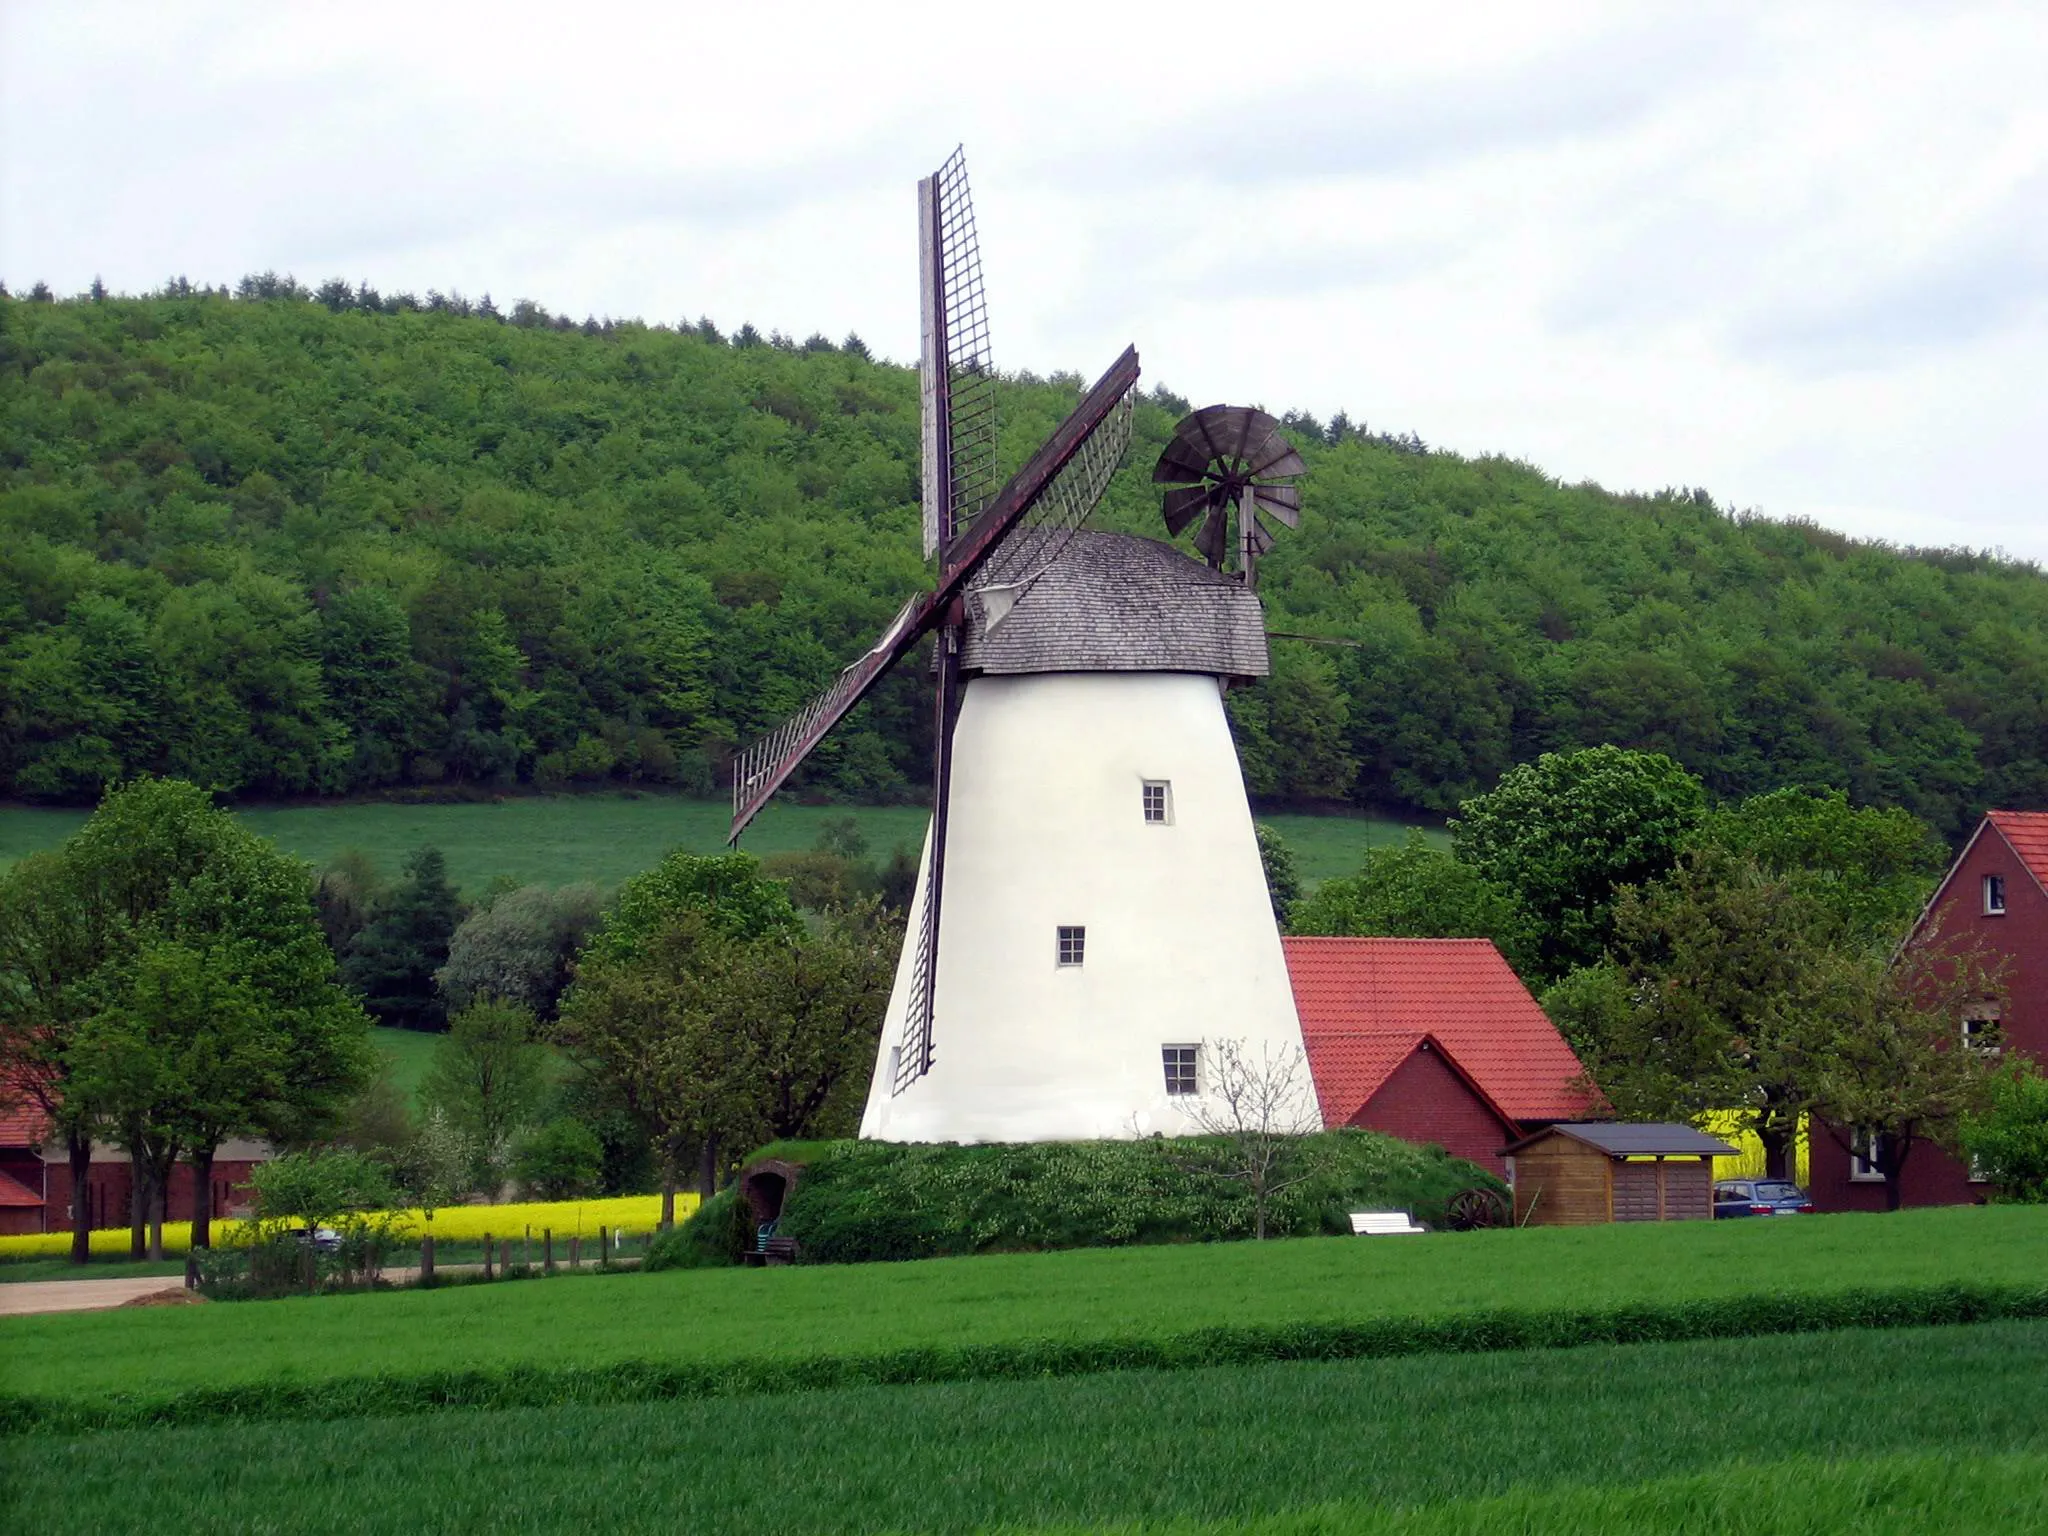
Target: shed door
(1635,1192)
(1688,1191)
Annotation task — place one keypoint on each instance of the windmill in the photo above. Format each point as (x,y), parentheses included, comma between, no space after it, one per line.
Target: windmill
(1091,864)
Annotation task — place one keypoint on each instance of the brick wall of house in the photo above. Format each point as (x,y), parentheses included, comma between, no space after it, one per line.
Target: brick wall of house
(2020,935)
(1423,1100)
(110,1186)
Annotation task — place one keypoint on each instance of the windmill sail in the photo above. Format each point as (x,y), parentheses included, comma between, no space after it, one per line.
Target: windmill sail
(762,768)
(957,393)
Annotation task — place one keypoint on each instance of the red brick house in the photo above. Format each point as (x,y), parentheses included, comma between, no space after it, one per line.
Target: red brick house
(1996,893)
(1432,1040)
(35,1177)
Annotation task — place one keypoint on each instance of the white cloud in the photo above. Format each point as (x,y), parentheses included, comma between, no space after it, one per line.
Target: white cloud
(1798,255)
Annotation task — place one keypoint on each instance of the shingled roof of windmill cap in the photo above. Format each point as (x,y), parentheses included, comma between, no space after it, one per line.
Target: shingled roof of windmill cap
(1115,602)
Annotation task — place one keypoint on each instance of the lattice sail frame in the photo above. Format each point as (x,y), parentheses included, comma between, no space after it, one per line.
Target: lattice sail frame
(957,379)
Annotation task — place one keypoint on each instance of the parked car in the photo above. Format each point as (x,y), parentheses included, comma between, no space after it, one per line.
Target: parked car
(319,1239)
(1760,1197)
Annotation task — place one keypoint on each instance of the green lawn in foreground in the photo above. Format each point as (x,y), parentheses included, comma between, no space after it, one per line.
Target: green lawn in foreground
(555,839)
(1095,1294)
(1567,1435)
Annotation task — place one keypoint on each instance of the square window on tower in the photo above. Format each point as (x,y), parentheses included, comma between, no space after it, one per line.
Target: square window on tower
(1182,1074)
(1073,945)
(1158,799)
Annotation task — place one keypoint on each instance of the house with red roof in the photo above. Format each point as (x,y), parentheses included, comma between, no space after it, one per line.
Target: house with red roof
(35,1175)
(1432,1040)
(1995,894)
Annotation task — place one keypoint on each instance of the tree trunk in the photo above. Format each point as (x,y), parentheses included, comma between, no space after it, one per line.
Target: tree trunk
(1894,1170)
(1778,1147)
(668,1197)
(707,1169)
(138,1199)
(159,1197)
(79,1147)
(202,1197)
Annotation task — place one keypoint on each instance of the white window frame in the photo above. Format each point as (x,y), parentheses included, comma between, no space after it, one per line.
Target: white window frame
(1194,1067)
(1989,1023)
(1070,946)
(1994,895)
(1977,1173)
(1165,789)
(1862,1169)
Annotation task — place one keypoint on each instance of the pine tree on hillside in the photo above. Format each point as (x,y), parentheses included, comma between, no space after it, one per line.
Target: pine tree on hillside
(392,962)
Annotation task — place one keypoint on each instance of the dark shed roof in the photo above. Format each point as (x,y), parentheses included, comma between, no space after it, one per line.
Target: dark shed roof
(1619,1140)
(1114,602)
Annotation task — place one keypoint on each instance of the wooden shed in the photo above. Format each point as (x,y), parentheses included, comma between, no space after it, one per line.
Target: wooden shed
(1577,1175)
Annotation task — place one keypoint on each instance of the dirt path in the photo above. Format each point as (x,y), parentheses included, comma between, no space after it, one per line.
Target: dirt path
(32,1296)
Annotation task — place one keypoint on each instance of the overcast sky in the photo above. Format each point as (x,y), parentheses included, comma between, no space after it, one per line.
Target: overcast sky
(1796,254)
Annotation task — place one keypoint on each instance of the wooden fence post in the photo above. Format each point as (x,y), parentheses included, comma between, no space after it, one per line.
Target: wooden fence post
(547,1250)
(487,1256)
(576,1252)
(505,1256)
(604,1247)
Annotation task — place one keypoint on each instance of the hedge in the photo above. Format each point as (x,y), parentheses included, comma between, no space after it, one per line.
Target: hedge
(647,1381)
(863,1201)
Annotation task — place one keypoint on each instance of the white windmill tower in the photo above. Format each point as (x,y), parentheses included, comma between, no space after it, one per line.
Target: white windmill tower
(1091,906)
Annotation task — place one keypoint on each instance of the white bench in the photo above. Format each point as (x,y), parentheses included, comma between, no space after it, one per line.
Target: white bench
(1382,1223)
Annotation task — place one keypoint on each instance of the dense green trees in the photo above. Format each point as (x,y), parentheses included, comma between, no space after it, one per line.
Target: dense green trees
(289,542)
(166,984)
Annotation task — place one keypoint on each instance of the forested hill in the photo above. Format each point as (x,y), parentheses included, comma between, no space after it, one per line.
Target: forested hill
(285,547)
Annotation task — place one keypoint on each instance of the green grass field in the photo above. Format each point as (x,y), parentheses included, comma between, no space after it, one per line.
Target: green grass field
(408,1052)
(715,1317)
(1909,1430)
(554,840)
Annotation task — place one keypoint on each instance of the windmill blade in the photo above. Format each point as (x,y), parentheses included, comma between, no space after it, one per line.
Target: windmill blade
(1180,461)
(1214,538)
(956,375)
(1183,506)
(1280,501)
(1273,458)
(762,768)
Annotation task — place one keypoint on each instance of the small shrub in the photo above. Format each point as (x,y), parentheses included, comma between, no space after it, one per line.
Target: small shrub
(2010,1142)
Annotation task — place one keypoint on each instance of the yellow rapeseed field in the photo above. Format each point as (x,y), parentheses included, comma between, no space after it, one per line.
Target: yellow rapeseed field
(455,1223)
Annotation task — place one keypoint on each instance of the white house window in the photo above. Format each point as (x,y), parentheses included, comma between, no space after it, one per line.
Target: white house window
(1981,1034)
(1073,945)
(1865,1148)
(1182,1069)
(1994,895)
(1158,799)
(1978,1173)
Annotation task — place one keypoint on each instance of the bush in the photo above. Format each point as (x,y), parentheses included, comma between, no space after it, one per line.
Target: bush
(2010,1143)
(561,1161)
(860,1201)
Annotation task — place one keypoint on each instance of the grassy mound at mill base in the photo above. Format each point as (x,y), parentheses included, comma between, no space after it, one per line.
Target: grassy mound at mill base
(861,1201)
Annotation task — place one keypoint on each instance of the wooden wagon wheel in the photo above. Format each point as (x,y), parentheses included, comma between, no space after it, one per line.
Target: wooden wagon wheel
(1473,1209)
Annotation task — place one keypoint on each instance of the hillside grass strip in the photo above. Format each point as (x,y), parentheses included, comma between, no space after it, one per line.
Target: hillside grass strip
(631,1381)
(1218,1448)
(718,1321)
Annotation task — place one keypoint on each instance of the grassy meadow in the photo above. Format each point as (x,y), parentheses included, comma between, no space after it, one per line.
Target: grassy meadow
(557,839)
(732,1318)
(1808,1433)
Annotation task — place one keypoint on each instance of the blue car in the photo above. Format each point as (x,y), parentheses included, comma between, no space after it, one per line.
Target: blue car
(1760,1197)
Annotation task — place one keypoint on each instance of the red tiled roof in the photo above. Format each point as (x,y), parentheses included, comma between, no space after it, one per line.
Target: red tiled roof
(1350,1068)
(14,1193)
(2027,832)
(22,1122)
(1459,990)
